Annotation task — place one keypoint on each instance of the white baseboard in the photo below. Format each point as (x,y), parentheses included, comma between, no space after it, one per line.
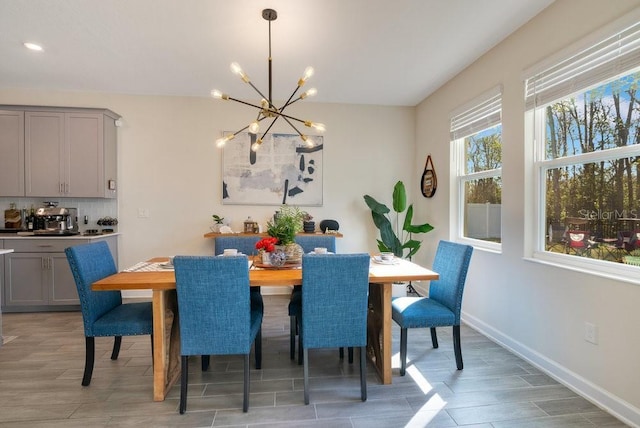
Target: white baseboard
(590,391)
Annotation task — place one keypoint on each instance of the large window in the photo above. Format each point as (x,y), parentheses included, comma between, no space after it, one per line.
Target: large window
(476,135)
(586,128)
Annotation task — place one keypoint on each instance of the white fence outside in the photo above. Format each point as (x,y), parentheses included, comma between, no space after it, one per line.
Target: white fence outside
(482,221)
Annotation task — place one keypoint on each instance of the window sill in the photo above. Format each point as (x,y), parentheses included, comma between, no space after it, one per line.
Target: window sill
(609,270)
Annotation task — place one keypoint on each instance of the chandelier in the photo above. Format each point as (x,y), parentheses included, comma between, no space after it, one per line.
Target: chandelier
(267,110)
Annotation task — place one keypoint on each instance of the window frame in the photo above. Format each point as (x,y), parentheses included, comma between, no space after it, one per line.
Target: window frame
(535,139)
(484,108)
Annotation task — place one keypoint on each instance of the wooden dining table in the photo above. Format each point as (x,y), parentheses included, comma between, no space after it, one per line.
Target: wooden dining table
(166,339)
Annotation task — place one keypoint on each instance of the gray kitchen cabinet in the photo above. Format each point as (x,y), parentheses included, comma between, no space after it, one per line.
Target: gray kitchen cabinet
(58,151)
(70,154)
(37,276)
(11,153)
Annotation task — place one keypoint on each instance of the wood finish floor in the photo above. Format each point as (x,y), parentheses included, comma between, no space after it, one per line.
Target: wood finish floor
(42,364)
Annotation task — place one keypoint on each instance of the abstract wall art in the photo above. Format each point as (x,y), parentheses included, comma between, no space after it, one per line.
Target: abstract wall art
(285,170)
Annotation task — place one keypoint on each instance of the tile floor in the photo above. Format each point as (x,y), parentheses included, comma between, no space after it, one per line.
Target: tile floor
(41,369)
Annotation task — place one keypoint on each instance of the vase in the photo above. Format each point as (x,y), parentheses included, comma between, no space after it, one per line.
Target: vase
(277,257)
(292,251)
(265,258)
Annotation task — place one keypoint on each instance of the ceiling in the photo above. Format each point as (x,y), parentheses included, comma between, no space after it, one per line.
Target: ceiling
(364,51)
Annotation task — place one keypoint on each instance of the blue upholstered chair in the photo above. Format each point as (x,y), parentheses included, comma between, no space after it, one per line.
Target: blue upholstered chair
(215,313)
(442,307)
(308,244)
(103,313)
(247,246)
(335,291)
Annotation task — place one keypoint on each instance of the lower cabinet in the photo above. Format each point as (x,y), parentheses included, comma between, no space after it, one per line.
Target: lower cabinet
(37,276)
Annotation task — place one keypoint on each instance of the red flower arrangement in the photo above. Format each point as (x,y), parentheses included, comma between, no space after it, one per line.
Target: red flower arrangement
(267,244)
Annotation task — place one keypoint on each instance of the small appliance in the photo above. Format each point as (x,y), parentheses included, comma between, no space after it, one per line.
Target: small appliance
(53,220)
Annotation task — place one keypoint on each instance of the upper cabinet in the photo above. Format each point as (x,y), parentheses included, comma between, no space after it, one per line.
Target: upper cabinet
(11,153)
(67,153)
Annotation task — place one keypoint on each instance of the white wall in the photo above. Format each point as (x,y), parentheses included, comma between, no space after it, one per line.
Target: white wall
(169,165)
(537,310)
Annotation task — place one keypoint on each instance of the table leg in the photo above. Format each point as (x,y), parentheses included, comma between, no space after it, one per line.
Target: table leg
(166,342)
(379,330)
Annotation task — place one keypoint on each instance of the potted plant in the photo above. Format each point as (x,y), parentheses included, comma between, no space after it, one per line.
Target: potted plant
(399,238)
(217,223)
(285,224)
(308,225)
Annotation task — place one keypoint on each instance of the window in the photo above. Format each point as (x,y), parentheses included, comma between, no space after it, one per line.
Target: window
(476,135)
(585,112)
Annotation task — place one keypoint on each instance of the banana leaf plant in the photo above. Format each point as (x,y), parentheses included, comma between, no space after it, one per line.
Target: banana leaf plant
(396,239)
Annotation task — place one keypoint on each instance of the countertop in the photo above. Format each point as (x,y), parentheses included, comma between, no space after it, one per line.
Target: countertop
(7,251)
(13,236)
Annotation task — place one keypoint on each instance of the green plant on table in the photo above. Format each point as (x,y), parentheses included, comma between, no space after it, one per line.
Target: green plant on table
(285,224)
(399,238)
(217,219)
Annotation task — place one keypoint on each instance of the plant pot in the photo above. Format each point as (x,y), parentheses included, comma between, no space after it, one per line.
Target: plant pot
(293,252)
(309,226)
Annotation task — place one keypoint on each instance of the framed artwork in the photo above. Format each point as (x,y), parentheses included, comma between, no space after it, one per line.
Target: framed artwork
(283,171)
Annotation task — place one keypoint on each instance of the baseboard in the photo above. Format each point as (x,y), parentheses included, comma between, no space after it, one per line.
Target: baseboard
(590,391)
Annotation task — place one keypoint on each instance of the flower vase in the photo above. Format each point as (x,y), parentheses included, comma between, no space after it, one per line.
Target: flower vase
(277,258)
(265,257)
(294,252)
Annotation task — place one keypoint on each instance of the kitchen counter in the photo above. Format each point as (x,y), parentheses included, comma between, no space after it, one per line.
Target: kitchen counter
(5,251)
(14,236)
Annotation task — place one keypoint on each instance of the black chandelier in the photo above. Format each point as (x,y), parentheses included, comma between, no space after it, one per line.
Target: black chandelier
(266,109)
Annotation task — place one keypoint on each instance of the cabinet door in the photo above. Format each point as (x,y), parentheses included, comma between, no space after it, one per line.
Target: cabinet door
(63,287)
(11,153)
(84,157)
(26,279)
(44,153)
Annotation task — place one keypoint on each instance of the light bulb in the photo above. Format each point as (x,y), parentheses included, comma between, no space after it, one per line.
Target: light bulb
(310,93)
(255,146)
(308,72)
(307,140)
(219,95)
(220,142)
(33,46)
(254,127)
(317,126)
(236,69)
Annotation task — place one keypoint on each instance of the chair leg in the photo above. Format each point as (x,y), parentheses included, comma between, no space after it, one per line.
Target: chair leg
(205,362)
(117,341)
(350,352)
(305,362)
(184,381)
(342,353)
(300,356)
(434,337)
(456,346)
(90,350)
(258,349)
(152,361)
(245,399)
(363,373)
(292,337)
(403,351)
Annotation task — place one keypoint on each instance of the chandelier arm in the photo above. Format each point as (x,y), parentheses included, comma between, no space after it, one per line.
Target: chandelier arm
(286,116)
(289,102)
(291,124)
(260,93)
(265,132)
(245,103)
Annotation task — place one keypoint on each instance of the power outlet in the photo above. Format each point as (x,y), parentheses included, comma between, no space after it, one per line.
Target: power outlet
(590,333)
(143,212)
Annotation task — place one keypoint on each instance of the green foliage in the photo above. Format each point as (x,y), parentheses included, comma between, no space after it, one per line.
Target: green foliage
(217,219)
(399,239)
(287,222)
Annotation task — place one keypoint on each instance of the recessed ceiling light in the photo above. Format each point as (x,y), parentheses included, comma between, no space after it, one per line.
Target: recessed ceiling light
(33,46)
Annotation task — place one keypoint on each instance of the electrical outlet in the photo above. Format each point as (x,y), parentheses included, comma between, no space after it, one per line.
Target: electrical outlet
(143,213)
(590,333)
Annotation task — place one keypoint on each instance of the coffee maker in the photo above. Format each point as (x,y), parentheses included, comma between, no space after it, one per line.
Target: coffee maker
(54,220)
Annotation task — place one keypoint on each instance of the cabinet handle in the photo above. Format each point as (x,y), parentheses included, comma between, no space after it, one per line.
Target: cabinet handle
(66,187)
(45,245)
(60,188)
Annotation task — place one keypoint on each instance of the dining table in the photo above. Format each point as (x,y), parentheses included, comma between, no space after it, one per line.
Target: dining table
(154,275)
